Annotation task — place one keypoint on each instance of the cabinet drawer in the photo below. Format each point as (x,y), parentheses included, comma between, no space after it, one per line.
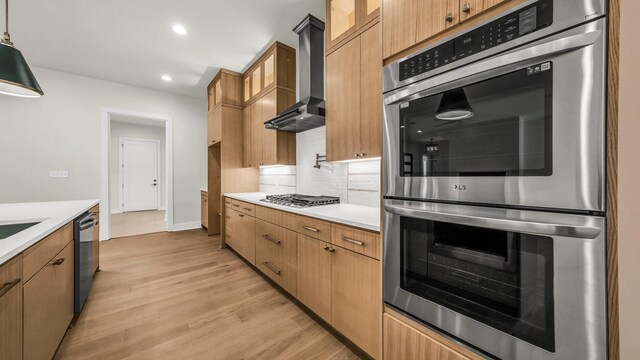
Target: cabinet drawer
(41,253)
(282,272)
(281,242)
(314,228)
(48,306)
(11,309)
(402,341)
(363,242)
(204,194)
(243,207)
(278,217)
(227,201)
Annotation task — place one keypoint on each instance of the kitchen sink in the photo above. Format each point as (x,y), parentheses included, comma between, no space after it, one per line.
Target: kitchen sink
(12,229)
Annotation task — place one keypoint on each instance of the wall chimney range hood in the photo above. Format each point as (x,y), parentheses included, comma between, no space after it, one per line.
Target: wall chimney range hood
(309,112)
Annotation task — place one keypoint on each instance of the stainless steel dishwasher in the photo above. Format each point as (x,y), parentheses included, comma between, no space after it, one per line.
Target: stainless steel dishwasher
(83,275)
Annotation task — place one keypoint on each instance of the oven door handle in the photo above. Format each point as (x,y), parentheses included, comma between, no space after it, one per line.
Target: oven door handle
(543,50)
(530,227)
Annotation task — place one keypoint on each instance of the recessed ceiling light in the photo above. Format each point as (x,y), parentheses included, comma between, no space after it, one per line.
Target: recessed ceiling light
(179,29)
(166,78)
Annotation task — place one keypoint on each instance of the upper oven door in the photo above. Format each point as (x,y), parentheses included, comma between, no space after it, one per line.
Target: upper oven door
(525,128)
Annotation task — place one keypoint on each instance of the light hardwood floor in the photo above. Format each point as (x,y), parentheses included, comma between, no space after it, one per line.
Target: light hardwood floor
(178,296)
(137,223)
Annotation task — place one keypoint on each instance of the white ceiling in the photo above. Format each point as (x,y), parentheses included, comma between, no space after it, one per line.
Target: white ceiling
(132,42)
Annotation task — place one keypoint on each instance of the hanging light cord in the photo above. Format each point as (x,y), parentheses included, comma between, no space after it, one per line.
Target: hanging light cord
(7,37)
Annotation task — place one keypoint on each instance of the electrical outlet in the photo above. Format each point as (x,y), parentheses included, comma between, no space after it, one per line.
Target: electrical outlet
(58,173)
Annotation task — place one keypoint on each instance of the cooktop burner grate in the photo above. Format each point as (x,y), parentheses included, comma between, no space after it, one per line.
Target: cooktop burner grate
(298,200)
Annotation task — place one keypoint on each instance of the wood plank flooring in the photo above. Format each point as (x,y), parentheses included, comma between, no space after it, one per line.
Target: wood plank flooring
(178,296)
(137,223)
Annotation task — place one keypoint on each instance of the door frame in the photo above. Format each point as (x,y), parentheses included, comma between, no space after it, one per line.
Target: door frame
(121,141)
(105,135)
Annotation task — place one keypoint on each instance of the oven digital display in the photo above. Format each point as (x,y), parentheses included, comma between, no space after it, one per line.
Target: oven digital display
(530,19)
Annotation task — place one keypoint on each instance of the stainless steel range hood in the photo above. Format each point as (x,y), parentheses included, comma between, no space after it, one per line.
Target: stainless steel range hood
(309,112)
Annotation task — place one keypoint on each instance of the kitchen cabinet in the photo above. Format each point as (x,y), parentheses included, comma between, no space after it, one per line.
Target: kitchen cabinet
(346,17)
(214,127)
(356,292)
(204,209)
(471,8)
(411,22)
(314,276)
(407,339)
(269,147)
(275,68)
(354,98)
(48,305)
(225,88)
(95,255)
(243,238)
(11,309)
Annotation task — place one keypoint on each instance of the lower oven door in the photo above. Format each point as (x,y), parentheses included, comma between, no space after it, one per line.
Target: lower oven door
(515,284)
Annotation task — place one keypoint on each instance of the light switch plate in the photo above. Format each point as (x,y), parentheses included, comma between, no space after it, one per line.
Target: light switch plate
(58,173)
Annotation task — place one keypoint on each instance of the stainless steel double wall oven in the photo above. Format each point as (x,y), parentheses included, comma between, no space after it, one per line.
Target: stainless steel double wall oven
(494,183)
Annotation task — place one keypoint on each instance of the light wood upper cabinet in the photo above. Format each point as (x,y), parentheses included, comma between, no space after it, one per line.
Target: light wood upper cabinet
(214,127)
(277,66)
(11,309)
(314,275)
(269,70)
(471,8)
(354,98)
(346,17)
(246,136)
(408,22)
(256,81)
(225,88)
(247,88)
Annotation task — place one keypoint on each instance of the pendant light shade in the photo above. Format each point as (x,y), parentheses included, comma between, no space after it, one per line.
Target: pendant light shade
(16,77)
(454,106)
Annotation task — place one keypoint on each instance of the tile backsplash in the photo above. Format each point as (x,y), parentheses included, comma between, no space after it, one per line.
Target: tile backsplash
(355,183)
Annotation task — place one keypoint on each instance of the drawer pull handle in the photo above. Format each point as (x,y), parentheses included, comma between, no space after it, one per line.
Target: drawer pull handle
(267,237)
(326,248)
(449,18)
(466,8)
(227,216)
(360,243)
(8,286)
(236,205)
(57,262)
(310,228)
(332,250)
(270,267)
(248,209)
(241,215)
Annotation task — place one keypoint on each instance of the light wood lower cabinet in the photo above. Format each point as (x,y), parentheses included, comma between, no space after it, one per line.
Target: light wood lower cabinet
(356,292)
(403,342)
(48,306)
(243,238)
(204,209)
(11,309)
(314,276)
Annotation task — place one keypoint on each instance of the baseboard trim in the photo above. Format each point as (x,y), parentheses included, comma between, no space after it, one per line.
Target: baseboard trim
(186,226)
(116,211)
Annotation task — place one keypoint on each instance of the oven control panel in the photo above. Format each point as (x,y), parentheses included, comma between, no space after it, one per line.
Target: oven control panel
(525,21)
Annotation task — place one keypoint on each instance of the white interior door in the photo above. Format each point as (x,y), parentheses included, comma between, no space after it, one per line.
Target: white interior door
(140,170)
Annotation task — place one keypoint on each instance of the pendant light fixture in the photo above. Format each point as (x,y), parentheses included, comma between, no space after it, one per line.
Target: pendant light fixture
(454,106)
(16,77)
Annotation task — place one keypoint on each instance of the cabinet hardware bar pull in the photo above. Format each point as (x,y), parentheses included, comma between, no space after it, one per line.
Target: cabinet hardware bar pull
(326,248)
(352,241)
(449,17)
(265,236)
(8,286)
(310,228)
(332,250)
(248,209)
(57,262)
(241,215)
(266,263)
(227,216)
(236,205)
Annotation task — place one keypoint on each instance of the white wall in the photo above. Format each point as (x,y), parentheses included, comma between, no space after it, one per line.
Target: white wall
(126,130)
(61,131)
(355,183)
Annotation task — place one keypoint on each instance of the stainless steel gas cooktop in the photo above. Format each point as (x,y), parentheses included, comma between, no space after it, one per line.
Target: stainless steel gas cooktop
(301,201)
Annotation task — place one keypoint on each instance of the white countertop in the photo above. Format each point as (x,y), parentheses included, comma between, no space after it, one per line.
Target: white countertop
(363,217)
(53,215)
